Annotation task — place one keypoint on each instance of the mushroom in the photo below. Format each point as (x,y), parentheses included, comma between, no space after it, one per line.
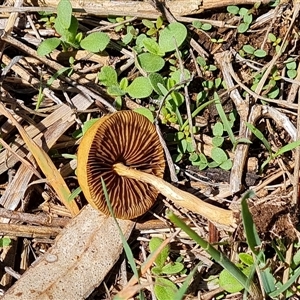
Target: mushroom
(127,138)
(124,149)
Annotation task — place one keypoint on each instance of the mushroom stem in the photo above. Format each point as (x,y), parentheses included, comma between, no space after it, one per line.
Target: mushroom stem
(184,199)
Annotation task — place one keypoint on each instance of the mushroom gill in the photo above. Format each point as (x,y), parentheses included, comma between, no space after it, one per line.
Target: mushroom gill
(123,137)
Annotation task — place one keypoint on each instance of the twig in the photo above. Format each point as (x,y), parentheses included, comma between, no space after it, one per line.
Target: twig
(295,199)
(28,231)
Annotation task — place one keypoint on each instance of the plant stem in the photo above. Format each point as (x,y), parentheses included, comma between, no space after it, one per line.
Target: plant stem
(184,199)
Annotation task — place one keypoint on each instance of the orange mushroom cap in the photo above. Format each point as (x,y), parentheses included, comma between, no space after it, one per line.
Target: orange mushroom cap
(122,137)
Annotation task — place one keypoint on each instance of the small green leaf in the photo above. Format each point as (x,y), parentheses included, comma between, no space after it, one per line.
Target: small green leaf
(246,258)
(118,102)
(139,88)
(247,19)
(64,13)
(115,90)
(272,37)
(108,76)
(213,164)
(218,155)
(156,79)
(152,46)
(179,136)
(171,33)
(217,141)
(127,38)
(201,61)
(248,49)
(67,34)
(233,9)
(145,112)
(230,283)
(151,62)
(124,83)
(193,157)
(177,157)
(226,165)
(154,243)
(139,39)
(149,24)
(177,99)
(5,241)
(243,11)
(197,24)
(172,268)
(156,270)
(291,64)
(178,76)
(164,289)
(292,73)
(218,129)
(182,146)
(159,22)
(206,26)
(243,27)
(260,53)
(47,46)
(95,42)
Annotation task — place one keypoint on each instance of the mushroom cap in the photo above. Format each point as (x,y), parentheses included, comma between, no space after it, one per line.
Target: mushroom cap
(122,137)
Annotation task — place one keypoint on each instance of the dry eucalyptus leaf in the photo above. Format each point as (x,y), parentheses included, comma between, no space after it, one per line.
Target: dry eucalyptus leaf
(82,255)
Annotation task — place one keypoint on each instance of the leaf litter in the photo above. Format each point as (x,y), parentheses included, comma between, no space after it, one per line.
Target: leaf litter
(233,65)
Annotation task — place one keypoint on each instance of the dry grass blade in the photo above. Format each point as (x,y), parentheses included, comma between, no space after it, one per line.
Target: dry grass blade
(45,163)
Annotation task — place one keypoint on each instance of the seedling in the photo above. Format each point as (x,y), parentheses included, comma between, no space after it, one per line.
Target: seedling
(275,41)
(217,41)
(48,18)
(270,88)
(164,288)
(66,26)
(153,27)
(204,66)
(260,53)
(219,156)
(245,14)
(139,88)
(199,25)
(291,68)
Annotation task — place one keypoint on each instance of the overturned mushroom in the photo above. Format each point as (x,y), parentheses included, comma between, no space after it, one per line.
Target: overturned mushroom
(124,149)
(128,138)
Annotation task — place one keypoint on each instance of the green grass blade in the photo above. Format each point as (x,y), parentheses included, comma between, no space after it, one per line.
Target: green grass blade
(218,256)
(287,147)
(260,136)
(254,243)
(224,119)
(285,286)
(196,112)
(252,237)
